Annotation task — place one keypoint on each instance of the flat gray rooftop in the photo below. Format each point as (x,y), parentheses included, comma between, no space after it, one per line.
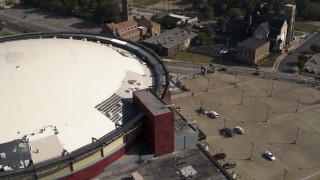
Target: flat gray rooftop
(155,106)
(15,155)
(171,38)
(169,167)
(180,125)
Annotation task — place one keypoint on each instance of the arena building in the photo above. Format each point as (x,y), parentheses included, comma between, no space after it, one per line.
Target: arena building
(71,104)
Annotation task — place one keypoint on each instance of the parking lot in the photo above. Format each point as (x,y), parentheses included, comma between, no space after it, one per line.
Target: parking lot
(270,113)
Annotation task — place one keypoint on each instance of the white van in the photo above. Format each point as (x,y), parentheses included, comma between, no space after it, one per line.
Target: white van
(214,114)
(240,130)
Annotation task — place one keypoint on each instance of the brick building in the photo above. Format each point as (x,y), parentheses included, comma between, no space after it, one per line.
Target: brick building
(172,41)
(252,50)
(133,30)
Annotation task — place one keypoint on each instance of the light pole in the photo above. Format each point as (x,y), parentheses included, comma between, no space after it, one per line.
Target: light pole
(242,97)
(298,105)
(208,84)
(271,89)
(194,70)
(295,141)
(285,173)
(252,144)
(228,43)
(177,74)
(212,41)
(267,114)
(221,153)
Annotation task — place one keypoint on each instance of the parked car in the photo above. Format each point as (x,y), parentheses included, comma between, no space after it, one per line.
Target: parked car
(255,73)
(289,53)
(222,69)
(229,165)
(219,156)
(227,132)
(203,111)
(240,130)
(214,114)
(269,156)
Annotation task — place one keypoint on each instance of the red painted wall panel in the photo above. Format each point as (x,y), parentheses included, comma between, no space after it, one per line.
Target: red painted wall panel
(99,167)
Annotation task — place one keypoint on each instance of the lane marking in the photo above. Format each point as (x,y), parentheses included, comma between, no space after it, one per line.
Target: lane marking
(311,175)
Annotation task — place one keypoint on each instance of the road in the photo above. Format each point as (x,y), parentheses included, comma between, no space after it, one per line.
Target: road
(288,64)
(15,27)
(181,69)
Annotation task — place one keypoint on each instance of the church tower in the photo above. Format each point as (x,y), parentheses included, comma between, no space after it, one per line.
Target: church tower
(289,16)
(127,10)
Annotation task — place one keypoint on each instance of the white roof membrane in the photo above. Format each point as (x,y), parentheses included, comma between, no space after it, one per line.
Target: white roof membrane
(58,83)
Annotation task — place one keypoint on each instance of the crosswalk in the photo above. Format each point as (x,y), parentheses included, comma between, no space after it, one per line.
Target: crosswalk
(286,74)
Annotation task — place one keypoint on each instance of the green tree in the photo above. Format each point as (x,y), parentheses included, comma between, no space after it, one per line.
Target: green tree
(159,48)
(301,64)
(168,22)
(222,23)
(201,38)
(234,13)
(209,12)
(109,10)
(315,47)
(208,30)
(303,7)
(249,5)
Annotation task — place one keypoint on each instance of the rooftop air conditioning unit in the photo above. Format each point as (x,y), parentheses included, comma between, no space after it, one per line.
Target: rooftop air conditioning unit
(109,114)
(120,104)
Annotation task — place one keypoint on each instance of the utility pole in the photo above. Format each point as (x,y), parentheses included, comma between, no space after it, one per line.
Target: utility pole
(252,144)
(298,105)
(295,141)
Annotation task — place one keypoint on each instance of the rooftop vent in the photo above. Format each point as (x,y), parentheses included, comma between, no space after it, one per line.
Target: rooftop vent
(109,114)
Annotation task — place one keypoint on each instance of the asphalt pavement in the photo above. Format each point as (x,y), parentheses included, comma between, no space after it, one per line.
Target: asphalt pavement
(288,64)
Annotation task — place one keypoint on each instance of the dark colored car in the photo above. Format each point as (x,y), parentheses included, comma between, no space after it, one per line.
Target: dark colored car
(229,165)
(222,69)
(227,132)
(220,156)
(255,73)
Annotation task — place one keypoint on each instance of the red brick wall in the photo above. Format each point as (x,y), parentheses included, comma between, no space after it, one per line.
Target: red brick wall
(99,167)
(158,130)
(164,133)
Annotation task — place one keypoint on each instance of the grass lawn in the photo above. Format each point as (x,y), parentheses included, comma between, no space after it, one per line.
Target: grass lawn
(267,62)
(136,3)
(191,57)
(5,33)
(297,33)
(304,26)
